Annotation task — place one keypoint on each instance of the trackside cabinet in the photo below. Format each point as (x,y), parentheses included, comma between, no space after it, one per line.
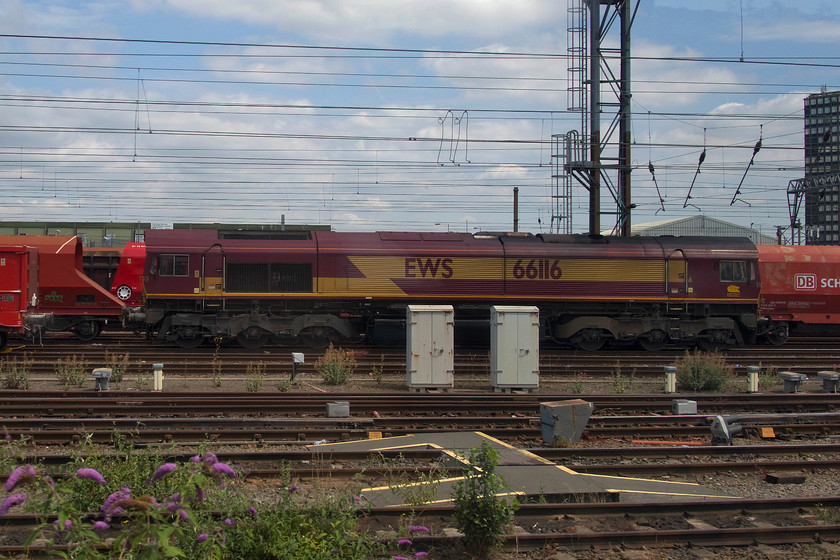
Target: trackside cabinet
(514,347)
(430,346)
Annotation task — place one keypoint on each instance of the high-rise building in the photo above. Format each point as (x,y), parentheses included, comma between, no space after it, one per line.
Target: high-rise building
(822,160)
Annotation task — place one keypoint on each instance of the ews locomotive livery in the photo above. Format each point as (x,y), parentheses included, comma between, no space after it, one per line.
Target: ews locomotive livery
(325,286)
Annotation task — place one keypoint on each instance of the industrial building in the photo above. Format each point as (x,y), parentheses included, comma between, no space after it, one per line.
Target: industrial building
(703,226)
(822,161)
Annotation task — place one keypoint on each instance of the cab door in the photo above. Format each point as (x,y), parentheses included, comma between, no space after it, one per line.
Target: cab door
(676,284)
(212,275)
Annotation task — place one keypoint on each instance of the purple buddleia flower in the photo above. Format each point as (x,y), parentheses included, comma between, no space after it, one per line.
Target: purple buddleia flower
(202,537)
(404,542)
(228,522)
(252,511)
(12,501)
(199,493)
(420,554)
(20,474)
(110,507)
(211,458)
(92,474)
(163,470)
(418,529)
(61,527)
(182,513)
(294,489)
(122,494)
(100,526)
(400,558)
(195,459)
(223,468)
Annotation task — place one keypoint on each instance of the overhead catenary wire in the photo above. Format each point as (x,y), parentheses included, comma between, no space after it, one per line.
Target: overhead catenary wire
(153,157)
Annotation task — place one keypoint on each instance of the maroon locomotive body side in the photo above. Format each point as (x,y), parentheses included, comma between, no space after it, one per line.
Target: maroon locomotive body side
(325,286)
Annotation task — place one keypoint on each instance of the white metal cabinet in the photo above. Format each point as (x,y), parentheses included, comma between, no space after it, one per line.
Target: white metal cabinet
(430,346)
(514,347)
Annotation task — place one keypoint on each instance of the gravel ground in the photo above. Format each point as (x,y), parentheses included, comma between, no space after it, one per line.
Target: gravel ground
(817,483)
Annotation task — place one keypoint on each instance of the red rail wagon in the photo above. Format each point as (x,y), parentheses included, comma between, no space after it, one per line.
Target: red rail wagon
(77,303)
(800,289)
(18,288)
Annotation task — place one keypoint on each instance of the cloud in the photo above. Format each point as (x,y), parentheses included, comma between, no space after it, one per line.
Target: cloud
(377,21)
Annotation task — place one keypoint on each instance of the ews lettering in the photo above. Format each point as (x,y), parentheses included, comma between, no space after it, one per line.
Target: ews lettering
(436,268)
(537,269)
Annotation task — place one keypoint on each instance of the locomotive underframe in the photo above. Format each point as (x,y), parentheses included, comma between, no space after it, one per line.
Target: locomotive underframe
(653,325)
(586,326)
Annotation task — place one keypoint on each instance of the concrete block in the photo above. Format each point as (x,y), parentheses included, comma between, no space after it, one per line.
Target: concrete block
(101,377)
(684,406)
(831,380)
(793,381)
(340,409)
(564,420)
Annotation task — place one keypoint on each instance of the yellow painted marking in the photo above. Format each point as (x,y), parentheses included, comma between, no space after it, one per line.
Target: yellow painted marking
(673,493)
(520,451)
(451,500)
(576,270)
(640,479)
(500,297)
(410,484)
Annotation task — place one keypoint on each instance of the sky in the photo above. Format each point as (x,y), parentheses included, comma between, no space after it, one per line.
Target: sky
(400,115)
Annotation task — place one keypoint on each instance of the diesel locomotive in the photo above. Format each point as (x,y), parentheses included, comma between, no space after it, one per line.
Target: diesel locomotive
(320,287)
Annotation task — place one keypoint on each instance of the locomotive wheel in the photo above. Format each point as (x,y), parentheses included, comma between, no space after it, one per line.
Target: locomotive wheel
(317,338)
(252,337)
(124,293)
(653,340)
(86,330)
(778,335)
(189,338)
(589,340)
(714,340)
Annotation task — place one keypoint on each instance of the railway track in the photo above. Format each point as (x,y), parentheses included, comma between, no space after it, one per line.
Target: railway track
(254,429)
(604,526)
(76,404)
(155,418)
(803,355)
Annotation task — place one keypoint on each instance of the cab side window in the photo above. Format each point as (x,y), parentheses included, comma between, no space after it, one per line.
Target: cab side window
(173,265)
(733,271)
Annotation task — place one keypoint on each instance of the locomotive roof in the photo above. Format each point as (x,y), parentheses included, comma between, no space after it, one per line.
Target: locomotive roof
(697,246)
